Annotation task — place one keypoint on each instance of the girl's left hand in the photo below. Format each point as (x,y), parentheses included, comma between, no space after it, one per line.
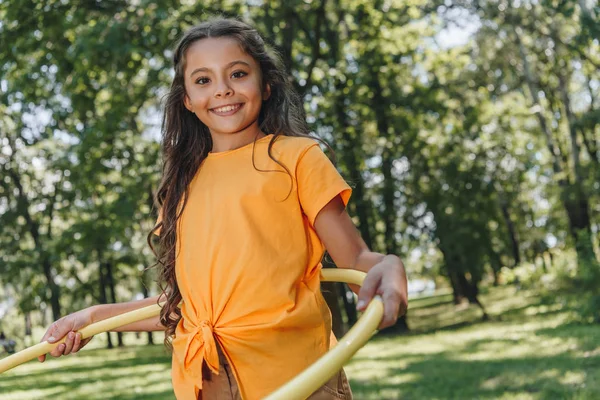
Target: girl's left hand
(387,279)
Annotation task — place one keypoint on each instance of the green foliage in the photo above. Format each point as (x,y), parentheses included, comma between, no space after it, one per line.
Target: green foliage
(473,157)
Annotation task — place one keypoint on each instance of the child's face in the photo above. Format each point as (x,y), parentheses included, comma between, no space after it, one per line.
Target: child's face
(223,86)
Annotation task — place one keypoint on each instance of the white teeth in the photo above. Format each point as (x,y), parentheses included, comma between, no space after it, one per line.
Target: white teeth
(225,109)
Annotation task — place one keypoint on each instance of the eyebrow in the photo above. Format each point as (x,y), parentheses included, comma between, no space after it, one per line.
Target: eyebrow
(231,64)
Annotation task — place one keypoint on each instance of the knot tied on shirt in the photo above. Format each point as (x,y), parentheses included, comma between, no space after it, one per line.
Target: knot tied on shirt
(199,345)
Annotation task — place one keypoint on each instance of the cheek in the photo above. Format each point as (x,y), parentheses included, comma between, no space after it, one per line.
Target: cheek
(252,88)
(196,98)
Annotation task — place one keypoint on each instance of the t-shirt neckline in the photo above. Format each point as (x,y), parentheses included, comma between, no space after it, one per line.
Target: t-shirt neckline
(246,146)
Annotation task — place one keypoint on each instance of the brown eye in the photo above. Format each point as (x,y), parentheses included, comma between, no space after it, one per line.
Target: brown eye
(202,81)
(238,74)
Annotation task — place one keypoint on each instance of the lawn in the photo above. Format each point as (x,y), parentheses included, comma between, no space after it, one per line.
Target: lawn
(528,349)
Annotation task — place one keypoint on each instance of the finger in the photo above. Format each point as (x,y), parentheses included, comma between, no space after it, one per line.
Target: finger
(58,350)
(44,338)
(391,307)
(367,291)
(69,343)
(59,329)
(85,342)
(76,342)
(403,309)
(387,321)
(48,333)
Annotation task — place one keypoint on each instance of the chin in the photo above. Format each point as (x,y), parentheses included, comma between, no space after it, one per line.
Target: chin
(231,131)
(228,131)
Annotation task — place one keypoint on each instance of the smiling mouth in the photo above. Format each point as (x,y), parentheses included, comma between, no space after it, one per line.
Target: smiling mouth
(229,109)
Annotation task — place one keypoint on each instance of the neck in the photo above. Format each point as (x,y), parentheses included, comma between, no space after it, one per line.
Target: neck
(225,141)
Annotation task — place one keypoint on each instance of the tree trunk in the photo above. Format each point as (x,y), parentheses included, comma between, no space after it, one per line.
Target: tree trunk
(387,159)
(590,143)
(496,265)
(349,304)
(287,37)
(111,286)
(54,289)
(332,298)
(511,232)
(350,145)
(472,292)
(331,295)
(574,199)
(577,202)
(458,293)
(27,323)
(580,226)
(268,19)
(389,184)
(572,132)
(552,148)
(34,230)
(146,294)
(44,314)
(103,297)
(459,281)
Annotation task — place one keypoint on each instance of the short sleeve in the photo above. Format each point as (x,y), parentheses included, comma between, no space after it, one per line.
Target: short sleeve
(318,182)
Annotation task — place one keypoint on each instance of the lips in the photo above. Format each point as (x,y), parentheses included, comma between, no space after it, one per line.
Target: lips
(228,109)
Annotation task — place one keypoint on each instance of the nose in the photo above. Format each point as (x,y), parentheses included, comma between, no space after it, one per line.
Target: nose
(223,90)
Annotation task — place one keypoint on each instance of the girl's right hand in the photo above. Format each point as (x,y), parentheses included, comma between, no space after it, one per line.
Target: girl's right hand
(68,325)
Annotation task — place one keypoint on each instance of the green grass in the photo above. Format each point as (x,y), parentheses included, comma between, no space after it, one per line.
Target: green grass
(528,350)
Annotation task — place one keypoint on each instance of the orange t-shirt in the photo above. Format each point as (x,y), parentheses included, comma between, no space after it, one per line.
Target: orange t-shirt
(247,265)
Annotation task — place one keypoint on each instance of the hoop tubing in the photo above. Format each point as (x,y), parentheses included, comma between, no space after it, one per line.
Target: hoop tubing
(302,386)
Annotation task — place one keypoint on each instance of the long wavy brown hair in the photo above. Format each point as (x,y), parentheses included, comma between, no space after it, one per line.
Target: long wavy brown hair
(186,142)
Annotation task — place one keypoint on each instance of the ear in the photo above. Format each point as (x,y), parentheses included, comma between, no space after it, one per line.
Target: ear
(266,92)
(187,103)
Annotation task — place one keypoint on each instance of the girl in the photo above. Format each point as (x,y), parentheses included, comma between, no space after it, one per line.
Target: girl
(248,204)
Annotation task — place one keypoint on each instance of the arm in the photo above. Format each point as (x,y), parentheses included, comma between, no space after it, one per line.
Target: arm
(385,273)
(103,311)
(70,324)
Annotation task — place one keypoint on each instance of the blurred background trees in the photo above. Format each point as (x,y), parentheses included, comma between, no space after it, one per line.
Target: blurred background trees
(469,130)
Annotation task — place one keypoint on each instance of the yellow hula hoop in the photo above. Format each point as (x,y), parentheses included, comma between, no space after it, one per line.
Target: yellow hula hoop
(302,386)
(315,376)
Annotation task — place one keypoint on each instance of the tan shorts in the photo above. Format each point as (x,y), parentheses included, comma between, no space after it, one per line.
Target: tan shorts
(224,386)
